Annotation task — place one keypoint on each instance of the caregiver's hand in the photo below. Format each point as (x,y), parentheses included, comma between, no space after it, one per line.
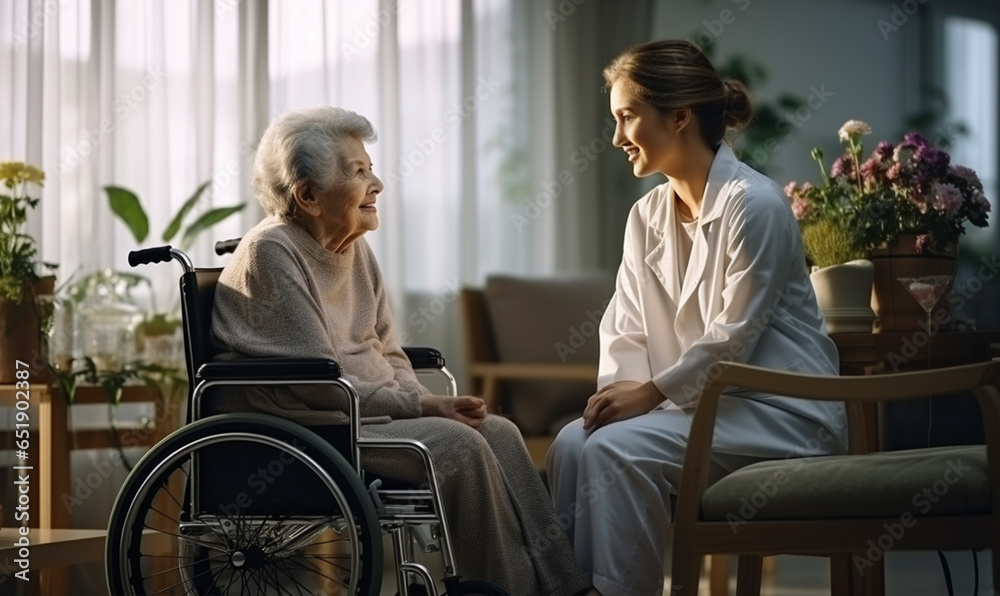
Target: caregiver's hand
(618,401)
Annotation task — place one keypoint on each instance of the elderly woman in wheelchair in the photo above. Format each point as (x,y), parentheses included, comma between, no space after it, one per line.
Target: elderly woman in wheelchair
(265,503)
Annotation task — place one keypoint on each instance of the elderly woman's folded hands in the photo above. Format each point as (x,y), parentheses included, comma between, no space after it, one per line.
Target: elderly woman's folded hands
(463,408)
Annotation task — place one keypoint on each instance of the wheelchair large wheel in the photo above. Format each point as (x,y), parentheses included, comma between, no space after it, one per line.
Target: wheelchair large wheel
(472,587)
(243,504)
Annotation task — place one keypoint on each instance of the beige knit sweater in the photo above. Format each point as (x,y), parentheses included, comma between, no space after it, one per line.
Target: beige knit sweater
(285,295)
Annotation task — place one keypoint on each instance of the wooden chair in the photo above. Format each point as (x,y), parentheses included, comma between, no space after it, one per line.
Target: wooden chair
(487,373)
(834,505)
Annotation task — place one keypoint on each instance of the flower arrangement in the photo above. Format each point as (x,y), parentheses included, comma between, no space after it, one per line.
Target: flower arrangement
(910,187)
(17,250)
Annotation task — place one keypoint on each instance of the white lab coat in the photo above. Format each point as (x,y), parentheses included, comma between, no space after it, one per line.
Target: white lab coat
(745,297)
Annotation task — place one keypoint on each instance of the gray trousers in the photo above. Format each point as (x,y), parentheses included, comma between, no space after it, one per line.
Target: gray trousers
(495,503)
(612,486)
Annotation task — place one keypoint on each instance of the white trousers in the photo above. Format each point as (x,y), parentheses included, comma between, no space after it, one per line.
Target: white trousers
(612,486)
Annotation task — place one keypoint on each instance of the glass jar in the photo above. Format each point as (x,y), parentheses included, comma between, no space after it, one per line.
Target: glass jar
(107,321)
(60,330)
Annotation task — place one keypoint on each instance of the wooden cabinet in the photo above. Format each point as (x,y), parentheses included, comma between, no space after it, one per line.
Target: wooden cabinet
(917,423)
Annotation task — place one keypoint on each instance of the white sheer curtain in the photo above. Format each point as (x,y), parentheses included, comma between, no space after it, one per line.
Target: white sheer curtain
(462,94)
(137,94)
(477,119)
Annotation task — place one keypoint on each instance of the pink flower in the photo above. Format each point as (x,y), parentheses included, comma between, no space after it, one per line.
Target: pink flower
(791,189)
(801,208)
(947,198)
(842,166)
(923,243)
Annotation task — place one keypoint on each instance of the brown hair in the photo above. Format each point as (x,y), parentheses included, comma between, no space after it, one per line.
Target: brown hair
(673,74)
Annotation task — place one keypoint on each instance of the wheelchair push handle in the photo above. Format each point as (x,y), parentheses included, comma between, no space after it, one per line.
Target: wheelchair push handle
(159,254)
(223,247)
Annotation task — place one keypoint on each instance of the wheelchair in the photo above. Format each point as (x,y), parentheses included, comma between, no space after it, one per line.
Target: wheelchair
(247,503)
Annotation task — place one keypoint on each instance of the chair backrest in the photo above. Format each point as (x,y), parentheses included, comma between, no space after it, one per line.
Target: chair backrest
(197,300)
(546,323)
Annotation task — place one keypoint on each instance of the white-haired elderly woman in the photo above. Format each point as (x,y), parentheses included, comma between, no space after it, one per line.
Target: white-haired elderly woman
(304,283)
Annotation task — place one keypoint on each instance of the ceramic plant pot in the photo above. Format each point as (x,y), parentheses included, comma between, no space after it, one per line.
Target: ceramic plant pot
(843,293)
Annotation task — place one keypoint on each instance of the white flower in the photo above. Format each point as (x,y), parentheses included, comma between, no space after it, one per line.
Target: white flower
(854,129)
(902,154)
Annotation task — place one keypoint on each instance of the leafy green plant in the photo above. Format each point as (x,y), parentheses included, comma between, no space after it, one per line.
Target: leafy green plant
(18,253)
(829,242)
(762,138)
(126,205)
(112,382)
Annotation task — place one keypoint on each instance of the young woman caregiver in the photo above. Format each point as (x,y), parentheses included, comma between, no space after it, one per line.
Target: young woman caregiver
(712,270)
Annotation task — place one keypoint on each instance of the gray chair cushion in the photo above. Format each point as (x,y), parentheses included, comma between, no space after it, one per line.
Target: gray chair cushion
(935,481)
(549,320)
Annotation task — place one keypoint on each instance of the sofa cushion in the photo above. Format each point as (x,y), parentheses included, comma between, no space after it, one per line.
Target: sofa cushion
(550,320)
(935,481)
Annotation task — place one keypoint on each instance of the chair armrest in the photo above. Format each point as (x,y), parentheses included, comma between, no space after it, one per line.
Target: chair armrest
(424,357)
(980,378)
(272,369)
(524,371)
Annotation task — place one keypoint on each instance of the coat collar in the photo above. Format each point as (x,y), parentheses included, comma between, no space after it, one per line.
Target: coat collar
(720,176)
(660,258)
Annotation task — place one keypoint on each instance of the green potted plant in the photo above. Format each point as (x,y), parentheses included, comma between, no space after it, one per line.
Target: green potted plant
(20,282)
(153,333)
(841,273)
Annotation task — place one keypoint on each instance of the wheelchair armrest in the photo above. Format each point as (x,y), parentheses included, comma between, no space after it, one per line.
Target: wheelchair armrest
(424,357)
(272,369)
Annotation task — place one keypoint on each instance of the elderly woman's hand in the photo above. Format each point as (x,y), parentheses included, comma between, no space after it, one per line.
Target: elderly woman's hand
(464,408)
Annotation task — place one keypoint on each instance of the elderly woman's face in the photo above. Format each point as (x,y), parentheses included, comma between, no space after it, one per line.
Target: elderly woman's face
(348,208)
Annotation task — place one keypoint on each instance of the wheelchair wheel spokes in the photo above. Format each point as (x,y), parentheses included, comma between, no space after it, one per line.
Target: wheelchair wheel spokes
(187,523)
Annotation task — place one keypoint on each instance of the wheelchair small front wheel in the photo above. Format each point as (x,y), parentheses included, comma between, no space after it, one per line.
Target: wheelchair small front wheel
(243,504)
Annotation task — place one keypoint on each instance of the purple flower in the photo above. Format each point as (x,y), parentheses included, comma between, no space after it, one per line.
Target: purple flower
(947,198)
(913,184)
(843,166)
(931,162)
(915,139)
(967,175)
(978,203)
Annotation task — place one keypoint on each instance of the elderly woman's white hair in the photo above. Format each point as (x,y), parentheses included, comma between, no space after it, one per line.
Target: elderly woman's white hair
(304,145)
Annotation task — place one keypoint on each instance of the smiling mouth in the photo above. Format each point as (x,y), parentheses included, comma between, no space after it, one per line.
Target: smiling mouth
(633,154)
(368,207)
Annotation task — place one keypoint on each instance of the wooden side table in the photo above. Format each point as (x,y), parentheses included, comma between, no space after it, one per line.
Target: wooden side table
(50,444)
